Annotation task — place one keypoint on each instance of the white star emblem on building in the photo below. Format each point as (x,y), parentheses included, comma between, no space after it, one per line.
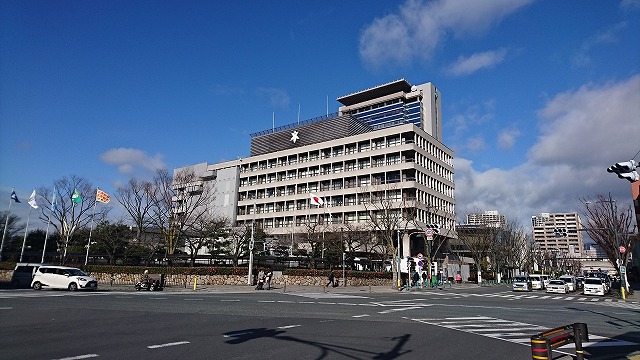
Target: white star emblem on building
(294,137)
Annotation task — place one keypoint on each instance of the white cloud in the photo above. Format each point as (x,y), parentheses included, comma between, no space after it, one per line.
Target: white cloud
(630,4)
(582,133)
(468,65)
(596,116)
(475,144)
(131,161)
(419,26)
(607,36)
(277,98)
(507,138)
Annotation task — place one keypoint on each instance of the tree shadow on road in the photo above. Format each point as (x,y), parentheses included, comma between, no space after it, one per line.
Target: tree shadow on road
(242,336)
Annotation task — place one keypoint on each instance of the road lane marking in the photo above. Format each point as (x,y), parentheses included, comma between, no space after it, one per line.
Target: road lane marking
(87,356)
(359,316)
(192,299)
(288,326)
(233,300)
(168,344)
(401,309)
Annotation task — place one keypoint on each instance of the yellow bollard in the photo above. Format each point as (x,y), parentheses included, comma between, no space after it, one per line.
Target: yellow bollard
(195,282)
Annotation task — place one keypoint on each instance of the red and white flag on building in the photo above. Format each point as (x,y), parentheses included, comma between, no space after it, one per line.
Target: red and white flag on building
(102,197)
(316,200)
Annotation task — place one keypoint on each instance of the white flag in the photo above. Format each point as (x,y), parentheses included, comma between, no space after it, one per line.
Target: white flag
(316,200)
(32,200)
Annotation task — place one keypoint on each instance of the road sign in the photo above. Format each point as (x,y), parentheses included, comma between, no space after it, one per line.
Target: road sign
(623,269)
(420,263)
(420,256)
(428,232)
(623,249)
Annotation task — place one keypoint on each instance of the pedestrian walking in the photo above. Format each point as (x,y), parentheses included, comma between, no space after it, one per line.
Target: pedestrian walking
(416,279)
(424,279)
(260,285)
(268,277)
(332,279)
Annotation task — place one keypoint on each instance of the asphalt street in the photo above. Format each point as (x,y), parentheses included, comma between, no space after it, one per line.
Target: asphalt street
(306,323)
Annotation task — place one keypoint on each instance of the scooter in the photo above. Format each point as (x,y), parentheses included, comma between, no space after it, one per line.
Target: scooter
(149,285)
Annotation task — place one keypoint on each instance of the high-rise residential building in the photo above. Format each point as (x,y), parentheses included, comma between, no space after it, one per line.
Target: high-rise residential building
(558,232)
(488,218)
(380,154)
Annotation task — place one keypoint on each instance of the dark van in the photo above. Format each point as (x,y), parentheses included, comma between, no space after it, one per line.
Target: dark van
(23,274)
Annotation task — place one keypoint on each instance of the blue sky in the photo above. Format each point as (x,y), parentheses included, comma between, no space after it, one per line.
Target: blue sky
(539,97)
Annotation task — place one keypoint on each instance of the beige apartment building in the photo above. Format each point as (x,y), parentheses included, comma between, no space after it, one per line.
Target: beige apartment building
(569,241)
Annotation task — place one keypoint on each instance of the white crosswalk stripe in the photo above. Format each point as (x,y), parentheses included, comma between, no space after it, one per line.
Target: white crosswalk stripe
(512,296)
(507,330)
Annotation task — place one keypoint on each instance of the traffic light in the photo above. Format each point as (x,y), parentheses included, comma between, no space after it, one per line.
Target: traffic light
(625,170)
(434,227)
(560,232)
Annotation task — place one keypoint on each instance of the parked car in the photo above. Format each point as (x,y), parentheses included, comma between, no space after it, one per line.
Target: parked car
(521,283)
(557,286)
(537,283)
(62,277)
(23,274)
(570,280)
(606,279)
(594,286)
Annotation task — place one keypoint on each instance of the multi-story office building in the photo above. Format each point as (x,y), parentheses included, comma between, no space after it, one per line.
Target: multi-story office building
(488,218)
(381,152)
(568,241)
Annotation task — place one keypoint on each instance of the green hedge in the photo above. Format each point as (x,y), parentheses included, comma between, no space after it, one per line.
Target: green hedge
(212,270)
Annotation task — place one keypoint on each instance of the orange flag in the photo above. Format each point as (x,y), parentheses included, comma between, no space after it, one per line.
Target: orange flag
(102,197)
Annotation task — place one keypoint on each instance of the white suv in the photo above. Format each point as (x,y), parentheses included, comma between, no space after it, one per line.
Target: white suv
(62,277)
(594,286)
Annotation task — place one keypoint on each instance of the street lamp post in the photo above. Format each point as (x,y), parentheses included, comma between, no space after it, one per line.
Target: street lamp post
(398,250)
(344,275)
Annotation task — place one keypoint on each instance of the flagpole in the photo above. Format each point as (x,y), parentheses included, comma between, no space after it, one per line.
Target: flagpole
(24,241)
(46,236)
(64,254)
(6,223)
(86,258)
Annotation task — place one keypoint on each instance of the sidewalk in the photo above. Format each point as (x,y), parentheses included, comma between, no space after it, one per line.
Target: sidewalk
(286,288)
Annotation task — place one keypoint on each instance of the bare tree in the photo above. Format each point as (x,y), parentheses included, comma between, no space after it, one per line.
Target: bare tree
(203,232)
(68,215)
(163,217)
(511,250)
(137,199)
(479,241)
(384,220)
(610,228)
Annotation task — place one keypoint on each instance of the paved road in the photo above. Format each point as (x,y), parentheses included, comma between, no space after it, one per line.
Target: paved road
(305,323)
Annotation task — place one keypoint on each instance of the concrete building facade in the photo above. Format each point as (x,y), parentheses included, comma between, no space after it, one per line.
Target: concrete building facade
(383,146)
(488,218)
(571,242)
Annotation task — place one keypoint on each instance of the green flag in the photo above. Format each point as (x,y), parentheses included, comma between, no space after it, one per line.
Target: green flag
(76,198)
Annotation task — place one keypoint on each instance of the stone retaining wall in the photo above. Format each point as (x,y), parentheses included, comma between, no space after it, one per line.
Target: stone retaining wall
(187,280)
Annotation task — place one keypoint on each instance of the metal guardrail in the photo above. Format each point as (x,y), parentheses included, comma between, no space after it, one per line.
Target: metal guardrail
(542,344)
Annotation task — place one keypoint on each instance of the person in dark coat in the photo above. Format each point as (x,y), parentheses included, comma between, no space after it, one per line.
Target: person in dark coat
(332,279)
